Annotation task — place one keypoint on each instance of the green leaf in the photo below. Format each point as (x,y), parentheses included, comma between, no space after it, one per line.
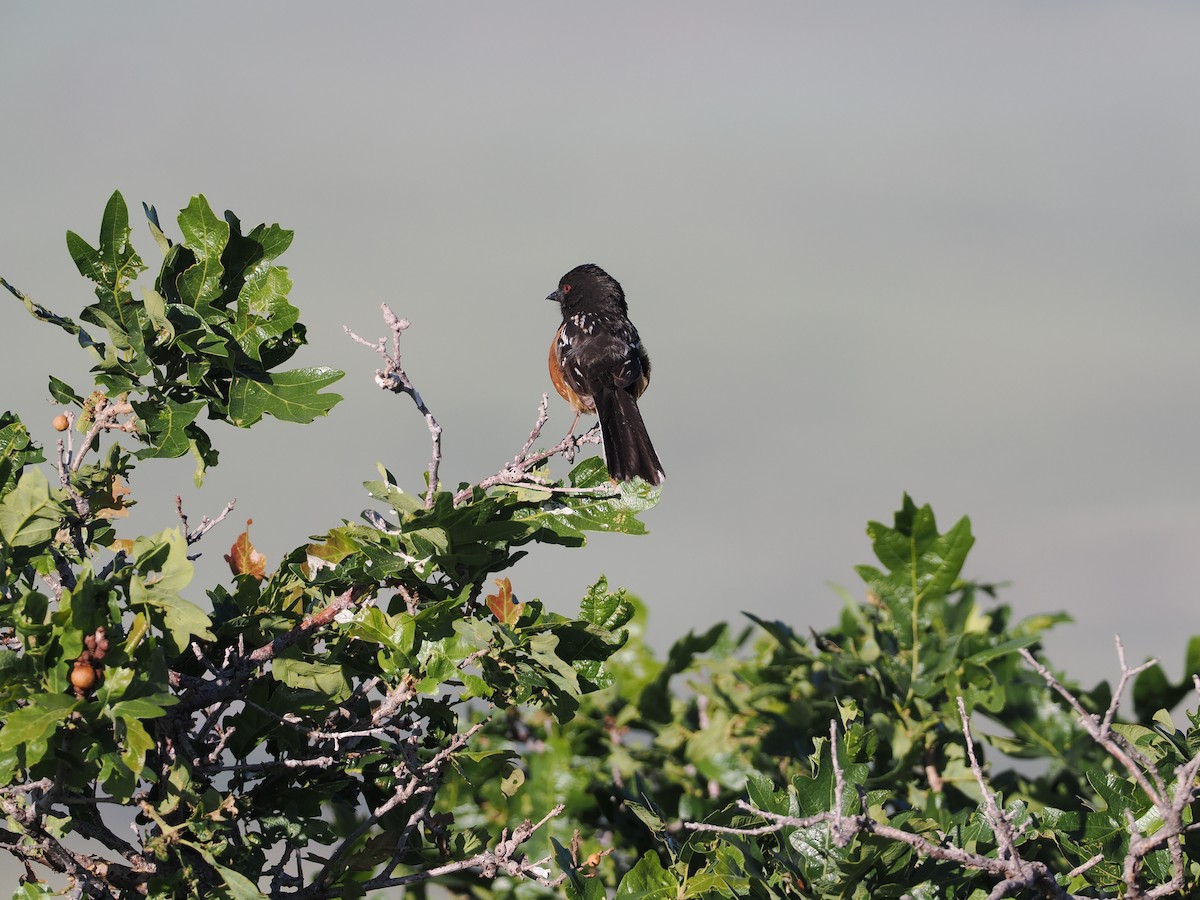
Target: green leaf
(110,315)
(727,877)
(156,311)
(612,508)
(577,887)
(763,795)
(203,453)
(35,724)
(512,783)
(648,817)
(1002,649)
(914,552)
(28,515)
(606,610)
(138,743)
(263,314)
(272,240)
(337,546)
(238,886)
(42,314)
(591,473)
(922,567)
(164,242)
(120,262)
(648,879)
(327,679)
(293,396)
(1117,793)
(117,680)
(162,570)
(32,890)
(152,707)
(392,494)
(86,258)
(181,618)
(112,267)
(17,450)
(165,423)
(206,236)
(63,393)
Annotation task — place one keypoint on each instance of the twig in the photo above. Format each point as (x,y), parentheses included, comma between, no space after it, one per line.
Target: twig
(1000,823)
(503,858)
(411,602)
(517,472)
(840,835)
(1133,761)
(1083,867)
(206,524)
(324,762)
(229,683)
(66,577)
(393,378)
(65,452)
(40,312)
(46,849)
(104,418)
(316,734)
(1170,807)
(1014,873)
(310,623)
(542,418)
(421,781)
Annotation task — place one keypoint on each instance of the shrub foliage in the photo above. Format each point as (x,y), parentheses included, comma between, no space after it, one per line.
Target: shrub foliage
(382,711)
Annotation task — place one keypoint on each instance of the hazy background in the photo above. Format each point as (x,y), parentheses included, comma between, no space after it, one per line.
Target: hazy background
(943,248)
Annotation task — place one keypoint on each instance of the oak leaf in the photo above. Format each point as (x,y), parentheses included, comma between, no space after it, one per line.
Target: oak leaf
(243,559)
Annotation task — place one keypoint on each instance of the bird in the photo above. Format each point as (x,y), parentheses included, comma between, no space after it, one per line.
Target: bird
(599,366)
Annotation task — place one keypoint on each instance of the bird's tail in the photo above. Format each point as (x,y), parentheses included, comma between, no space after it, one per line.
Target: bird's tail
(627,448)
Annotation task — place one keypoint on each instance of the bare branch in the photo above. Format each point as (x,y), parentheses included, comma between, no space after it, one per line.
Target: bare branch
(65,452)
(421,782)
(999,821)
(229,682)
(206,524)
(1015,874)
(518,471)
(1133,761)
(542,419)
(92,877)
(1083,867)
(104,418)
(1170,807)
(504,858)
(392,377)
(840,834)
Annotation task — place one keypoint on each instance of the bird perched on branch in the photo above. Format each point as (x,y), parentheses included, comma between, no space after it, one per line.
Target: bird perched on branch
(598,365)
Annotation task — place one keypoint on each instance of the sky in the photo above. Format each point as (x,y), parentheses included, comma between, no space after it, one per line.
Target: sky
(947,249)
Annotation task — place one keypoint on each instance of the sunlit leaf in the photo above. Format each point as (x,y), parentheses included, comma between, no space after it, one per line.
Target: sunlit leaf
(293,396)
(29,516)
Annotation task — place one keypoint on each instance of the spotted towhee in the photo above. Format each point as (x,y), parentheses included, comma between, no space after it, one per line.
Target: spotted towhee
(598,365)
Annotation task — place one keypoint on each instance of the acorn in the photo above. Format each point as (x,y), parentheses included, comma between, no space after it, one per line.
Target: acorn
(83,676)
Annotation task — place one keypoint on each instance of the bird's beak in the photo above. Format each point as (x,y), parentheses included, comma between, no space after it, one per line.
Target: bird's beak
(557,297)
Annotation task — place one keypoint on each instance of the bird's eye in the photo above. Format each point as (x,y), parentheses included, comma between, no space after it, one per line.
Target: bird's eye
(566,289)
